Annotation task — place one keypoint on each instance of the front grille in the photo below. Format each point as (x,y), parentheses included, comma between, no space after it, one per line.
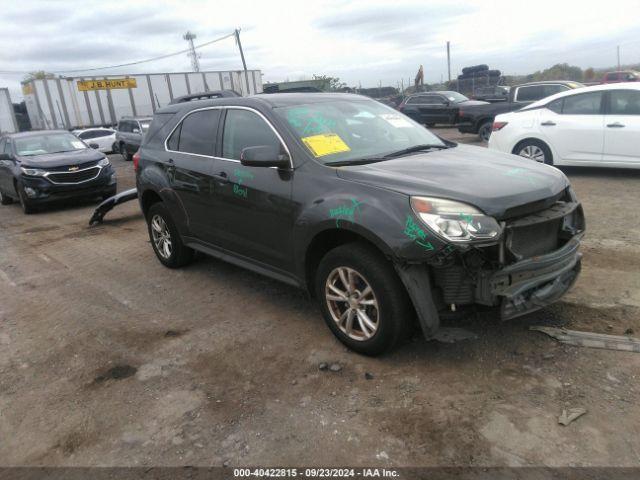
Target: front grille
(74,177)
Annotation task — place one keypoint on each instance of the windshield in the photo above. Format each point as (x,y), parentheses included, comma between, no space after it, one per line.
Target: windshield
(353,129)
(455,97)
(48,143)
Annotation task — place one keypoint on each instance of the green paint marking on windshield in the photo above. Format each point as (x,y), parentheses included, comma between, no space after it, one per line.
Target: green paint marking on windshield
(417,234)
(309,122)
(345,211)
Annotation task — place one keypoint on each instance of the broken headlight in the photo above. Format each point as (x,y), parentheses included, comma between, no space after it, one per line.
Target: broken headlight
(455,221)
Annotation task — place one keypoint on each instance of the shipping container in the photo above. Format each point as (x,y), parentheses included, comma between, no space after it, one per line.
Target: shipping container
(81,102)
(8,123)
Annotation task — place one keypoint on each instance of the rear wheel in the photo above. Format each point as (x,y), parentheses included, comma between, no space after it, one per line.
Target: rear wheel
(124,152)
(535,150)
(4,200)
(484,132)
(362,300)
(165,239)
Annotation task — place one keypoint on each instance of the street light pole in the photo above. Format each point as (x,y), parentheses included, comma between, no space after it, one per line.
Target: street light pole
(244,64)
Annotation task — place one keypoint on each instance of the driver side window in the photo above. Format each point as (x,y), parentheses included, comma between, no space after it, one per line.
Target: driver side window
(244,128)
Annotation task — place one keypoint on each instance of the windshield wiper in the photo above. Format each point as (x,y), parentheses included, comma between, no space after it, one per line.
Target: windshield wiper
(415,148)
(356,161)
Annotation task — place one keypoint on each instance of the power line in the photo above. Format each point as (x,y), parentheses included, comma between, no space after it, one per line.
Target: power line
(181,52)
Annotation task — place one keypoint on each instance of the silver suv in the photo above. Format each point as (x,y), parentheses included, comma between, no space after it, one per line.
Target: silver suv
(129,135)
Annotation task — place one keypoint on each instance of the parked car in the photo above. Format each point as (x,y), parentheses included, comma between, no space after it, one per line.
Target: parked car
(493,94)
(595,126)
(433,108)
(129,135)
(479,119)
(44,166)
(105,138)
(625,76)
(372,214)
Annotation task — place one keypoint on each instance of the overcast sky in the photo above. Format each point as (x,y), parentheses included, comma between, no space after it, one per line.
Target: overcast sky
(359,41)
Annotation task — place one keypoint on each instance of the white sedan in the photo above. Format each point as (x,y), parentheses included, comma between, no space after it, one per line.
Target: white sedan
(104,137)
(595,126)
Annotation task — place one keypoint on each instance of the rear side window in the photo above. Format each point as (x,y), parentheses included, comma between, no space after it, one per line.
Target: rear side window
(197,133)
(242,129)
(612,76)
(582,104)
(419,100)
(624,102)
(158,130)
(529,94)
(549,90)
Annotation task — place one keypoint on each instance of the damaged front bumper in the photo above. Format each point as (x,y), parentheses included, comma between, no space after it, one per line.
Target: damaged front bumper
(533,283)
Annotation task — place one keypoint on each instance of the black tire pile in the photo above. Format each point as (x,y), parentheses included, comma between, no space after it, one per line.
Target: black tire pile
(477,76)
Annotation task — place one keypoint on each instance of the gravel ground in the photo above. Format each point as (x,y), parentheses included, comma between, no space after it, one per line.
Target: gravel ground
(107,358)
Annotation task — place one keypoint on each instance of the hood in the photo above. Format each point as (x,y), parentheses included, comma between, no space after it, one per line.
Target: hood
(491,181)
(76,157)
(471,103)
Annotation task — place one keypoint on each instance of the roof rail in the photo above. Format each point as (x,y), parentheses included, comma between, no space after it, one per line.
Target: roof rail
(205,96)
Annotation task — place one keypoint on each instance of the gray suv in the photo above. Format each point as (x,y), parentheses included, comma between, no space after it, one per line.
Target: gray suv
(129,135)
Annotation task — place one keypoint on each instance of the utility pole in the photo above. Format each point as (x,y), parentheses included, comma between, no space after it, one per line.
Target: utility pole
(448,60)
(195,64)
(618,57)
(244,64)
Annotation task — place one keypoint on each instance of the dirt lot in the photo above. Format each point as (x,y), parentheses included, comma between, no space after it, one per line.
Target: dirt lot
(108,358)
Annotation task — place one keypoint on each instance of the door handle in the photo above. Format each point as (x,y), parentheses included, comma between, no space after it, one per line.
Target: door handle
(548,123)
(615,125)
(221,177)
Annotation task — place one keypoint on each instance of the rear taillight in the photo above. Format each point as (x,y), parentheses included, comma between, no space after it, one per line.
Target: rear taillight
(136,159)
(498,126)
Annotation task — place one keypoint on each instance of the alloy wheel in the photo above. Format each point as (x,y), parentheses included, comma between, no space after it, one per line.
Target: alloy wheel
(533,152)
(161,236)
(352,303)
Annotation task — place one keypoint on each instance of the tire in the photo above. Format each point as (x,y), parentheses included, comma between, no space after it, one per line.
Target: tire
(389,316)
(4,199)
(159,223)
(535,150)
(484,132)
(124,152)
(27,208)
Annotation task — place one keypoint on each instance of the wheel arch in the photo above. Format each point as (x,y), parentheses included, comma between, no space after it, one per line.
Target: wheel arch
(525,138)
(326,240)
(149,198)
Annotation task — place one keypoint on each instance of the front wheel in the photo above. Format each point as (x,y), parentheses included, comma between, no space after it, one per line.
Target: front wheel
(165,239)
(362,299)
(535,150)
(27,207)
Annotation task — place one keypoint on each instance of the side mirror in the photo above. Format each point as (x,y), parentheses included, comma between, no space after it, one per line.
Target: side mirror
(95,146)
(6,156)
(264,156)
(136,130)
